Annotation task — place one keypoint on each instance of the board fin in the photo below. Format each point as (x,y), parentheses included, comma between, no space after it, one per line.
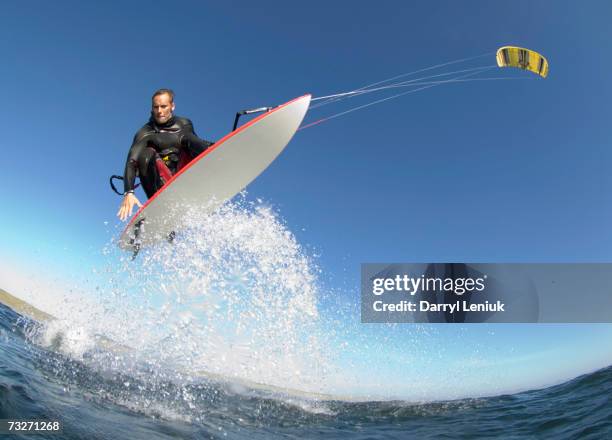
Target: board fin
(135,240)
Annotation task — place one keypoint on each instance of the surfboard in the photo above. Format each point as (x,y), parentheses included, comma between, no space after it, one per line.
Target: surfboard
(216,175)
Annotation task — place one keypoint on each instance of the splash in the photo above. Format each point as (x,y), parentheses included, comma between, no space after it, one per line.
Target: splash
(233,297)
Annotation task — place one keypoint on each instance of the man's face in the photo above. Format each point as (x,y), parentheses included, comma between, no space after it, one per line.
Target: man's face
(162,108)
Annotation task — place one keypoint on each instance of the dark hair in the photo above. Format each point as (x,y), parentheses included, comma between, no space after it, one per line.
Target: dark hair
(163,91)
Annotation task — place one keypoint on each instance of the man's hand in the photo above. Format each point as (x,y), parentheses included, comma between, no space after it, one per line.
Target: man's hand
(127,206)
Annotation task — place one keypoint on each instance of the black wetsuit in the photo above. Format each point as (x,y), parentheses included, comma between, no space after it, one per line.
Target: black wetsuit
(169,141)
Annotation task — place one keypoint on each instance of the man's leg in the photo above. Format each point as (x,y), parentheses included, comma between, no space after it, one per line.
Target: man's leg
(148,173)
(153,174)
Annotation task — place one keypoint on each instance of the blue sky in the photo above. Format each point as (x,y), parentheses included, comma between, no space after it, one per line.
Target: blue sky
(491,172)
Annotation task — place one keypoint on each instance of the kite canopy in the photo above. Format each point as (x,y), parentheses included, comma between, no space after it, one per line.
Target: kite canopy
(512,56)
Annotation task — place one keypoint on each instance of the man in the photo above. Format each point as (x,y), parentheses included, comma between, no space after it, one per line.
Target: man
(160,148)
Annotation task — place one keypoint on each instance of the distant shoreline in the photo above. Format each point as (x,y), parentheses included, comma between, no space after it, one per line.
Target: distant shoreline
(23,308)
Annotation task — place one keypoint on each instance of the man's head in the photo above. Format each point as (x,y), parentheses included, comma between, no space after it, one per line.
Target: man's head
(162,105)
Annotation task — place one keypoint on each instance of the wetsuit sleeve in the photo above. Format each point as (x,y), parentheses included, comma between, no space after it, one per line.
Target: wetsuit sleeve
(131,164)
(192,142)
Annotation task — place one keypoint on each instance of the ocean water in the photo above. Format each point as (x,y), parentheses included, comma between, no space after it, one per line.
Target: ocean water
(227,333)
(39,383)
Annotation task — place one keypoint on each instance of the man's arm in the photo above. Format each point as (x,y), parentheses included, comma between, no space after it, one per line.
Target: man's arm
(131,164)
(129,176)
(192,142)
